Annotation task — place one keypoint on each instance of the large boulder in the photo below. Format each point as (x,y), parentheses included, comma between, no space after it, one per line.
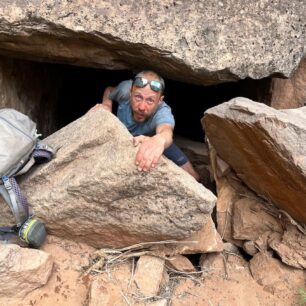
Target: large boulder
(192,41)
(93,192)
(265,147)
(290,93)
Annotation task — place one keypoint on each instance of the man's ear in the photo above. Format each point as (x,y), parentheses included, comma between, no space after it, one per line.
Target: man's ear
(161,99)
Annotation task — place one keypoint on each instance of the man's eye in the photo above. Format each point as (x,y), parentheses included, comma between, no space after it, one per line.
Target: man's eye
(138,98)
(150,101)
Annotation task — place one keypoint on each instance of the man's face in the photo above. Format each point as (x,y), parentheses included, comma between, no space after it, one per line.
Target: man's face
(144,101)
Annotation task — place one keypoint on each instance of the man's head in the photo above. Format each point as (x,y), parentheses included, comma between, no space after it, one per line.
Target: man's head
(146,94)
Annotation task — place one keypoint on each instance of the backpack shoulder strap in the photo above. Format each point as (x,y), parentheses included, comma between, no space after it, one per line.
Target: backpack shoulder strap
(15,199)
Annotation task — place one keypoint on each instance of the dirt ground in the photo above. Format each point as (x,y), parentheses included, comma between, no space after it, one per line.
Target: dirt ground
(69,285)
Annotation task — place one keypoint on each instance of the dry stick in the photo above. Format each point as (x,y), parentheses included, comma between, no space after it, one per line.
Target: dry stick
(226,215)
(184,273)
(300,228)
(128,252)
(292,221)
(225,267)
(132,274)
(125,298)
(97,271)
(124,255)
(149,297)
(210,303)
(139,245)
(107,251)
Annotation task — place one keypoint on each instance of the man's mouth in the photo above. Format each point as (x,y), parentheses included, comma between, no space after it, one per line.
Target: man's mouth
(139,116)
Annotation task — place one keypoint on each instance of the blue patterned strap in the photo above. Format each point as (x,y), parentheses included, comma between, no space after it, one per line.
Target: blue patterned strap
(15,200)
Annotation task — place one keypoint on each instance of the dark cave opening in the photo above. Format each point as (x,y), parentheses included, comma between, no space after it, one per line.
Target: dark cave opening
(81,88)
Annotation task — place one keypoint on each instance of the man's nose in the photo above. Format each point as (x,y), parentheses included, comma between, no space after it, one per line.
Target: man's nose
(142,106)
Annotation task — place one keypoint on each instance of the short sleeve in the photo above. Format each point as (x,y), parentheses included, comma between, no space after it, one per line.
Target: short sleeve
(163,116)
(122,92)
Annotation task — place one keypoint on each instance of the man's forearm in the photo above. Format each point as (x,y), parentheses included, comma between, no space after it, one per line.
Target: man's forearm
(165,134)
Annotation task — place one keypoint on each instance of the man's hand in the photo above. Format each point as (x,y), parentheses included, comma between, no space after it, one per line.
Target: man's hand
(152,148)
(149,152)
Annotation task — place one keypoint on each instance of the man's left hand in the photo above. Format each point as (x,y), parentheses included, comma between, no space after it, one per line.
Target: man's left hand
(149,152)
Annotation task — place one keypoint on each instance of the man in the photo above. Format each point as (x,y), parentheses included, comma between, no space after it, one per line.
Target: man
(148,118)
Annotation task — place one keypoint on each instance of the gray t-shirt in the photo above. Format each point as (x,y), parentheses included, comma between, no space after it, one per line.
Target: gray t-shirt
(163,114)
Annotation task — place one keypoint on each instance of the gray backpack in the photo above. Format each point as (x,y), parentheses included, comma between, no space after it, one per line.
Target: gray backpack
(20,148)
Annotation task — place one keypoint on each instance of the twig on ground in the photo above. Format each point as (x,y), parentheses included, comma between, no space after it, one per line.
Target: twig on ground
(107,257)
(225,267)
(143,244)
(125,298)
(184,273)
(132,274)
(210,303)
(293,222)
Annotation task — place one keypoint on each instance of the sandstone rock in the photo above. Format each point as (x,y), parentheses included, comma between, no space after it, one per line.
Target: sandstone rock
(230,248)
(180,263)
(227,196)
(22,270)
(290,93)
(196,151)
(265,147)
(198,154)
(291,247)
(213,264)
(93,192)
(206,240)
(273,275)
(149,275)
(262,242)
(250,248)
(222,168)
(202,43)
(251,219)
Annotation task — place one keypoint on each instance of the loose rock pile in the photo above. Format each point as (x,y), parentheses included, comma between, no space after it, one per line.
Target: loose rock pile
(265,150)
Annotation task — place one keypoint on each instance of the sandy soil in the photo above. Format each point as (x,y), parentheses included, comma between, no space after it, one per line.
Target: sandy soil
(69,286)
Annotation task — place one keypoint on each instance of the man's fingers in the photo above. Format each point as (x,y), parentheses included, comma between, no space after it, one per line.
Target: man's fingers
(155,161)
(146,160)
(148,154)
(142,160)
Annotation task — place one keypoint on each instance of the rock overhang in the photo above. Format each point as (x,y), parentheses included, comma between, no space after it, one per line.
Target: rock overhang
(190,42)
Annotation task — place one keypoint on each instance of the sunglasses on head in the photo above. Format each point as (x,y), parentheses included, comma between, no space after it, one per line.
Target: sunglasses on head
(142,82)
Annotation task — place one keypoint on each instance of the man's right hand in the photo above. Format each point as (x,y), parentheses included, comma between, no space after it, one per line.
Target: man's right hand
(149,152)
